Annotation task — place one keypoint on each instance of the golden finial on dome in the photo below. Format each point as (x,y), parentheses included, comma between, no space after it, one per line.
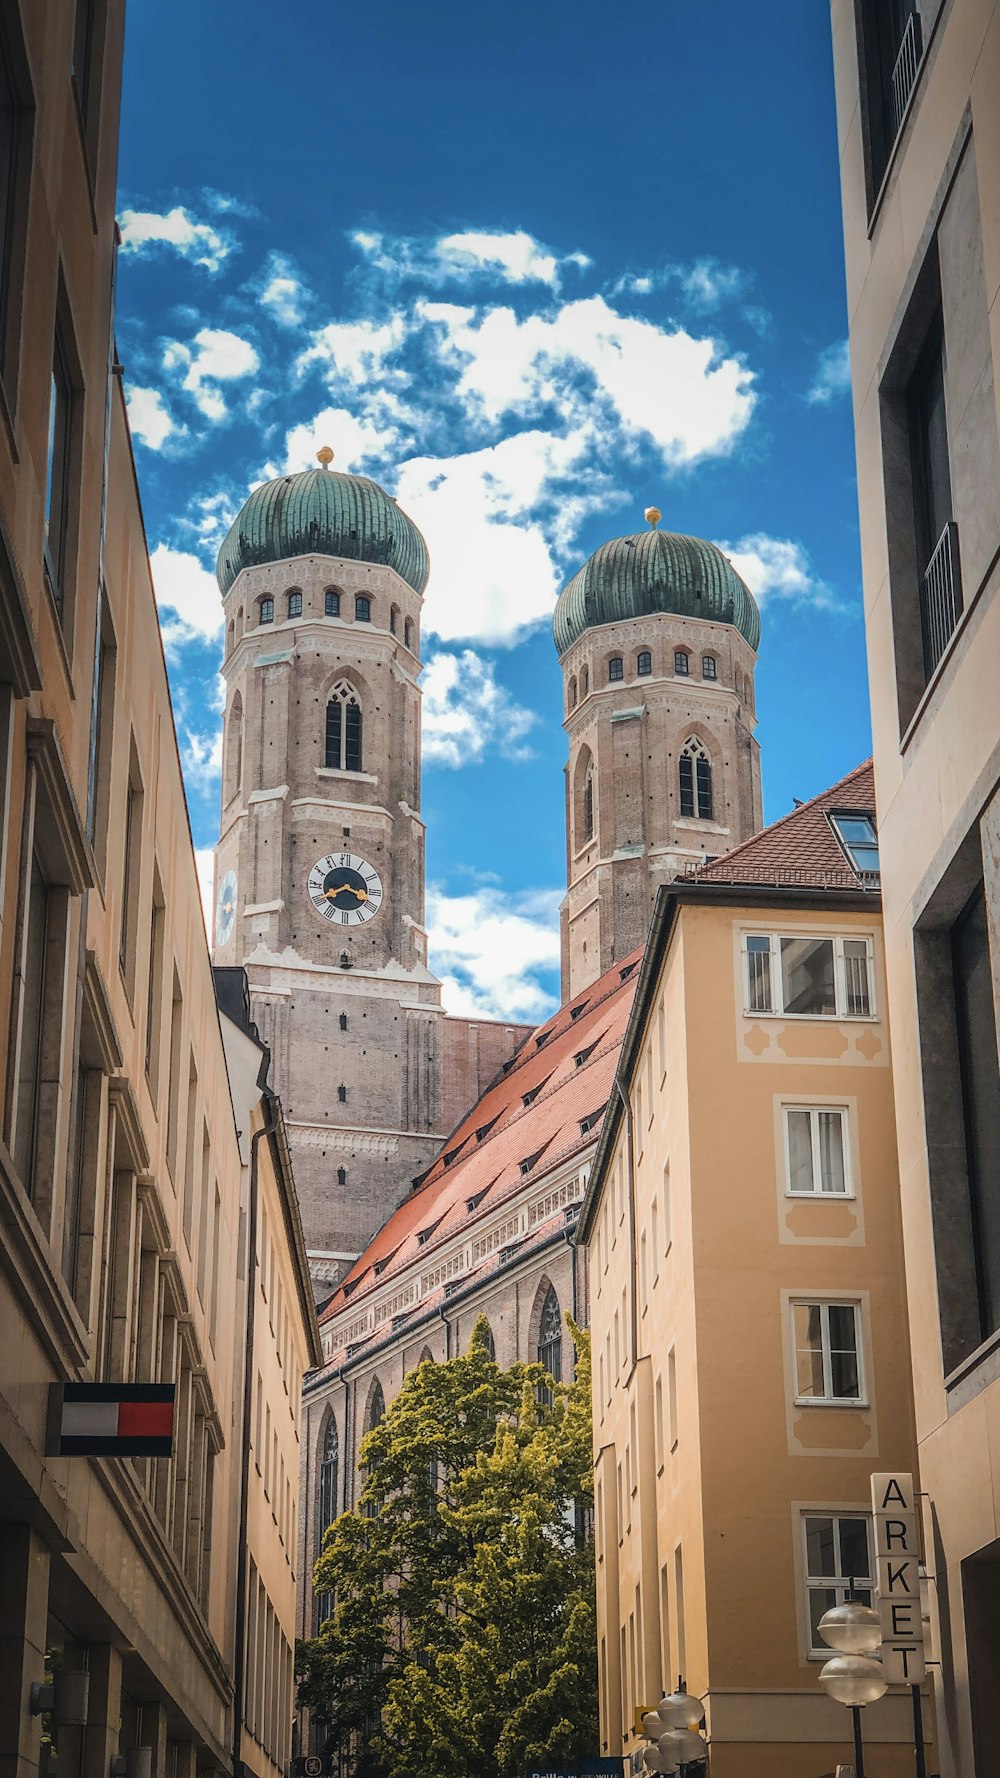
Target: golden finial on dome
(325,456)
(652,515)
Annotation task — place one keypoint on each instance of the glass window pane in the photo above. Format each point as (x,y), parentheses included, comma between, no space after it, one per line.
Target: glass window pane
(844,1373)
(854,1556)
(821,1557)
(807,976)
(821,1599)
(856,978)
(758,974)
(800,1167)
(808,1350)
(831,1151)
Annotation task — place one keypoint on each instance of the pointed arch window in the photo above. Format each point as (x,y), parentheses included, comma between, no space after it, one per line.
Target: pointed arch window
(584,681)
(393,619)
(491,1345)
(230,636)
(343,729)
(326,1505)
(331,602)
(571,695)
(550,1338)
(695,772)
(408,632)
(588,806)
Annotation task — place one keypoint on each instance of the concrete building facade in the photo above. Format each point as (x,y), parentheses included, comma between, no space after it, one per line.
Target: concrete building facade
(320,861)
(122,1190)
(742,1230)
(918,105)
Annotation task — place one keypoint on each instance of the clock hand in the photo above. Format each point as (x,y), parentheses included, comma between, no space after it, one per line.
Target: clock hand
(349,889)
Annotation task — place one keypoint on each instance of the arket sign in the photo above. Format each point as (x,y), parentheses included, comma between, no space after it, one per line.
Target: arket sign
(897,1577)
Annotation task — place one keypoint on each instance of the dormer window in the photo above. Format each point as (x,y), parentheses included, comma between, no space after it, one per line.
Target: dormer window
(474,1202)
(526,1165)
(484,1130)
(623,974)
(593,1117)
(584,1055)
(575,1011)
(859,838)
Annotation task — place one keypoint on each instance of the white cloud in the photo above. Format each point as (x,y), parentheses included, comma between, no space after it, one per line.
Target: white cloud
(491,541)
(150,420)
(510,256)
(777,568)
(353,354)
(679,391)
(143,231)
(219,357)
(283,291)
(490,947)
(201,759)
(833,375)
(708,283)
(354,440)
(466,713)
(204,858)
(187,589)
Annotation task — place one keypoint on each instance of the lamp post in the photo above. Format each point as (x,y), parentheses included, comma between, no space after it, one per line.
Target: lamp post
(672,1730)
(853,1677)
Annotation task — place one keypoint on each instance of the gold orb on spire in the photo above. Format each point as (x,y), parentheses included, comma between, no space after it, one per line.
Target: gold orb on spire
(325,456)
(653,515)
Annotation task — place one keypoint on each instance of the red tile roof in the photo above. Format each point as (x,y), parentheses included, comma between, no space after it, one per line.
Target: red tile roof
(802,848)
(519,1143)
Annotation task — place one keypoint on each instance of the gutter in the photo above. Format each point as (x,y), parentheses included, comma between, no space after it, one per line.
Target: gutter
(634,1291)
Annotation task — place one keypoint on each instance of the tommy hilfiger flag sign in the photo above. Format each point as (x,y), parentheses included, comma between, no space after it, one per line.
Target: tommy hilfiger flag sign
(111,1420)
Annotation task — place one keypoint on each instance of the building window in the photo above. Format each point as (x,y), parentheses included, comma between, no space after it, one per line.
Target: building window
(808,977)
(343,1021)
(816,1150)
(102,716)
(891,49)
(644,663)
(32,1004)
(329,1471)
(341,1175)
(682,663)
(15,143)
(827,1352)
(616,668)
(88,44)
(980,1078)
(128,930)
(584,681)
(331,602)
(837,1556)
(393,619)
(362,609)
(936,533)
(342,1095)
(550,1339)
(267,611)
(295,604)
(58,473)
(343,729)
(695,775)
(588,807)
(571,695)
(858,836)
(408,633)
(708,667)
(234,748)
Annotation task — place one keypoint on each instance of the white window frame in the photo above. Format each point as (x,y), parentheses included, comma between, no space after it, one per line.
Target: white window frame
(838,940)
(817,1191)
(828,1399)
(838,1583)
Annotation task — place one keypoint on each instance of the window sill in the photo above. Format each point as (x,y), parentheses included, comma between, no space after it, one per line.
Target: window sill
(350,777)
(825,1197)
(817,1018)
(813,1401)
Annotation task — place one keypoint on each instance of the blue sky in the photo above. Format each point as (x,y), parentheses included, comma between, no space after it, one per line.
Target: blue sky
(534,268)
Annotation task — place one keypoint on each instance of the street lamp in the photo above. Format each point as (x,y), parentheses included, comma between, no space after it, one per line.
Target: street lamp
(853,1677)
(673,1729)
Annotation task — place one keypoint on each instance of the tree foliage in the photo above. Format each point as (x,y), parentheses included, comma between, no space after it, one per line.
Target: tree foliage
(462,1638)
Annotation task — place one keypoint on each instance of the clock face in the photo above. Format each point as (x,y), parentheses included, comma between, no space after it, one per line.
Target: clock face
(225,908)
(345,889)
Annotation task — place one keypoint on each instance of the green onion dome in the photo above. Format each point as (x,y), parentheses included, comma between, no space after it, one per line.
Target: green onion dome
(653,572)
(322,512)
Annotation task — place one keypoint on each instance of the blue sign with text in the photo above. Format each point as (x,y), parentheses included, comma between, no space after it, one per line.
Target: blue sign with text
(589,1768)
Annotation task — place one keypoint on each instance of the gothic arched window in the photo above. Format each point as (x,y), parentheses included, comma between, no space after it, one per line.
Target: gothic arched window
(588,806)
(342,1094)
(682,662)
(550,1338)
(331,602)
(266,611)
(491,1346)
(584,681)
(616,668)
(362,609)
(571,695)
(408,633)
(326,1505)
(234,748)
(343,729)
(709,668)
(295,603)
(341,1175)
(695,773)
(393,619)
(644,663)
(230,636)
(239,623)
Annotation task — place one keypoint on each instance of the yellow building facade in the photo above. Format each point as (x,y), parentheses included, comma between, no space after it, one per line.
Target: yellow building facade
(918,107)
(747,1302)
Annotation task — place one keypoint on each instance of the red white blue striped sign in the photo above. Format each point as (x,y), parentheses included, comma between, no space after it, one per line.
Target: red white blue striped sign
(111,1420)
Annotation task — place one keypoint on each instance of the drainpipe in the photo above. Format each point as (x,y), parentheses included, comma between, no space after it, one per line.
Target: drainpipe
(268,1128)
(634,1293)
(447,1332)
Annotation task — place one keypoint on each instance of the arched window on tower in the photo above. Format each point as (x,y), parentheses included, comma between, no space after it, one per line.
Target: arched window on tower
(265,611)
(331,602)
(341,1175)
(234,748)
(682,662)
(571,695)
(550,1339)
(230,636)
(326,1505)
(644,663)
(393,619)
(239,623)
(583,798)
(408,633)
(616,668)
(695,773)
(584,681)
(343,729)
(709,667)
(295,602)
(362,609)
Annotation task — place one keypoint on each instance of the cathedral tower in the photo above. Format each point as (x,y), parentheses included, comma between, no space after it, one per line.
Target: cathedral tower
(319,872)
(657,638)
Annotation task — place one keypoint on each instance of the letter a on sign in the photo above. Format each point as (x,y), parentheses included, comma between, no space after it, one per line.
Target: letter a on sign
(892,1494)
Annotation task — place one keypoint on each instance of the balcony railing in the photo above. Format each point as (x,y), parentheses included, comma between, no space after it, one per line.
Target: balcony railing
(904,73)
(941,596)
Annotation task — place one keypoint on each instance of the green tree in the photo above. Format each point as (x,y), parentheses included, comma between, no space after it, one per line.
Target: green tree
(462,1639)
